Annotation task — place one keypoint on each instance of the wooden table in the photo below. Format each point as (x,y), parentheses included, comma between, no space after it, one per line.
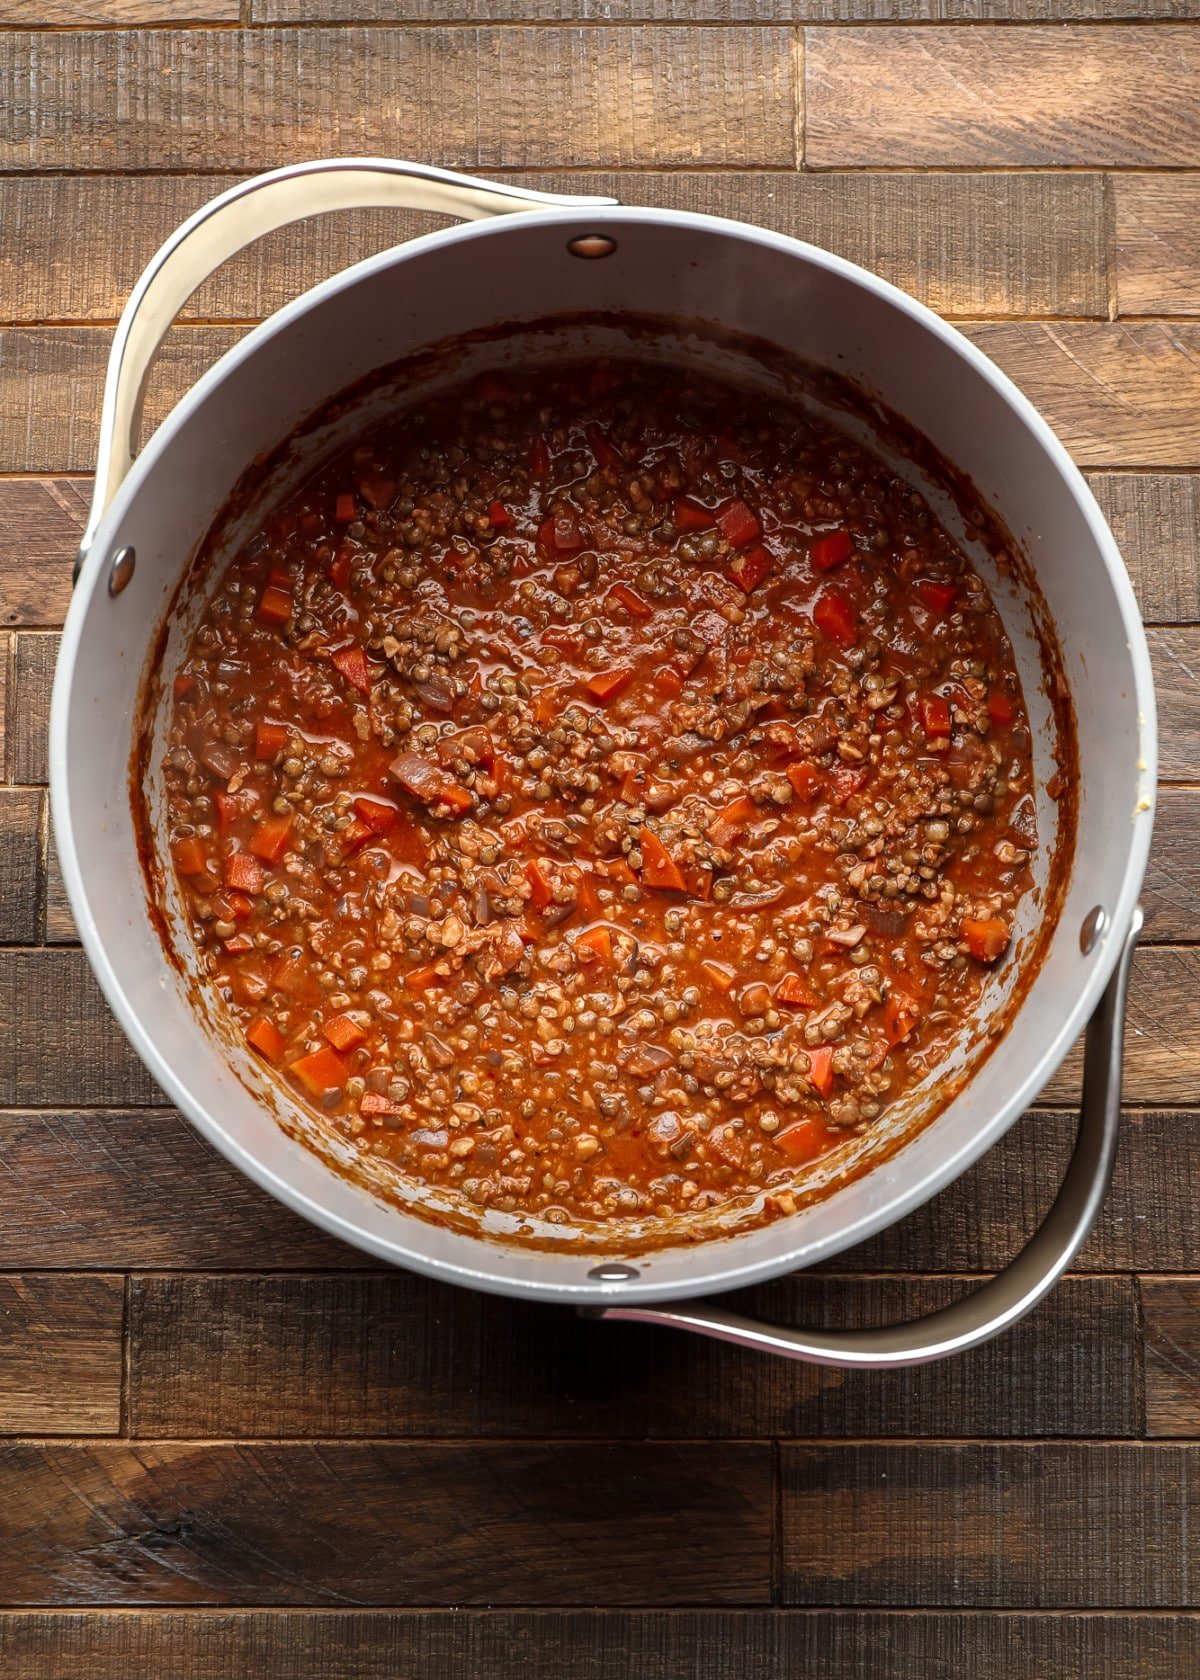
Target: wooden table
(233,1447)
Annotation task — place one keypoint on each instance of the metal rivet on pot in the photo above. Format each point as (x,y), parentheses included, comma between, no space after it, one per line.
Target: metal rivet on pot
(1094,924)
(121,570)
(613,1272)
(591,245)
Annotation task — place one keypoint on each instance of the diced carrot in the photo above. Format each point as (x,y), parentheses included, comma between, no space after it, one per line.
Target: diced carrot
(189,855)
(900,1016)
(835,618)
(700,884)
(935,715)
(539,458)
(424,979)
(1000,707)
(319,1072)
(309,523)
(750,568)
(274,605)
(264,1036)
(499,517)
(738,524)
(586,895)
(372,1106)
(345,508)
(230,806)
(618,870)
(541,892)
(985,940)
(805,1140)
(659,868)
(353,837)
(735,819)
(829,551)
(244,873)
(269,739)
(271,837)
(344,1033)
(630,600)
(379,817)
(668,682)
(606,685)
(352,663)
(182,685)
(938,597)
(720,976)
(377,489)
(820,1069)
(605,451)
(560,534)
(292,975)
(807,781)
(594,945)
(339,566)
(240,907)
(796,992)
(846,783)
(429,782)
(692,516)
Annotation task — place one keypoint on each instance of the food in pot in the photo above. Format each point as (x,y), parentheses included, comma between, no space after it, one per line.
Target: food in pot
(601,792)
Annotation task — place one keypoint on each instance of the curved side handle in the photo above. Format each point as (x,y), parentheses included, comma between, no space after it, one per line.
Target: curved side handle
(1015,1291)
(247,212)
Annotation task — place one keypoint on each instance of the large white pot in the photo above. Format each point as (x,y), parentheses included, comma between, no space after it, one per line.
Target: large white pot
(523,267)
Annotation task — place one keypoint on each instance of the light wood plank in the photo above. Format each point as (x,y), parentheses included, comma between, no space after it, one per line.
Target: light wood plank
(41,522)
(248,99)
(1046,1527)
(1155,518)
(712,11)
(385,1524)
(1162,1033)
(20,849)
(1175,656)
(1171,1313)
(1157,244)
(60,1354)
(994,97)
(49,1002)
(112,14)
(1171,895)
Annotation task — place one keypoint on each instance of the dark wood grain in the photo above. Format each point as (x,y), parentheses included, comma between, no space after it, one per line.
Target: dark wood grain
(1171,894)
(1175,656)
(101,14)
(33,660)
(591,1645)
(396,1356)
(59,1043)
(710,11)
(1171,1312)
(966,244)
(41,522)
(1155,518)
(1157,226)
(1162,1033)
(60,926)
(60,1354)
(385,1524)
(247,99)
(991,1526)
(932,98)
(20,846)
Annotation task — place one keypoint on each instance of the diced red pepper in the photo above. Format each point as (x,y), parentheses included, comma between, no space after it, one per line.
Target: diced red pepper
(264,1036)
(594,945)
(938,597)
(750,568)
(630,600)
(189,855)
(829,551)
(499,517)
(269,739)
(244,873)
(238,945)
(795,991)
(807,1138)
(985,940)
(429,782)
(560,534)
(541,892)
(718,975)
(1000,707)
(271,838)
(935,715)
(339,566)
(807,781)
(345,508)
(320,1072)
(659,869)
(738,524)
(820,1069)
(605,451)
(692,516)
(835,617)
(379,817)
(734,820)
(539,458)
(377,489)
(606,685)
(352,663)
(344,1033)
(372,1106)
(274,605)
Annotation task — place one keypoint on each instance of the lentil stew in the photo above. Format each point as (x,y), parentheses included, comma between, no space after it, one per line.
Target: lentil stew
(600,792)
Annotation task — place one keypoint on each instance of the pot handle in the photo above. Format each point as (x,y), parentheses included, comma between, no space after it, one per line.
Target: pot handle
(1012,1293)
(247,212)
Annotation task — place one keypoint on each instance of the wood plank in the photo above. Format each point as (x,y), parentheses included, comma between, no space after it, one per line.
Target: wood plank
(1162,1033)
(713,11)
(117,1189)
(966,244)
(1171,1315)
(596,1645)
(50,1002)
(60,1354)
(20,848)
(60,923)
(1155,518)
(41,522)
(394,1355)
(385,1524)
(1171,894)
(995,97)
(991,1526)
(180,99)
(110,14)
(1119,394)
(34,654)
(1157,244)
(1175,657)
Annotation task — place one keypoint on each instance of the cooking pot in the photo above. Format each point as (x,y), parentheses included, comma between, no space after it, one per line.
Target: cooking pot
(525,257)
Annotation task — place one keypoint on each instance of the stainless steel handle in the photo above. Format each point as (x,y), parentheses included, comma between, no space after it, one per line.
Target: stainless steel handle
(245,213)
(1012,1293)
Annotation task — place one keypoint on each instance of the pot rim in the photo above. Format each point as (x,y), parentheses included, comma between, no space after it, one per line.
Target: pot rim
(711,1274)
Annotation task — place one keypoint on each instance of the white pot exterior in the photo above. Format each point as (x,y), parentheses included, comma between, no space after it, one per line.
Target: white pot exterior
(694,268)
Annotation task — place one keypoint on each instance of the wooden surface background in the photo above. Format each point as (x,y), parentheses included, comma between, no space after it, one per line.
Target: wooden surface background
(234,1448)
